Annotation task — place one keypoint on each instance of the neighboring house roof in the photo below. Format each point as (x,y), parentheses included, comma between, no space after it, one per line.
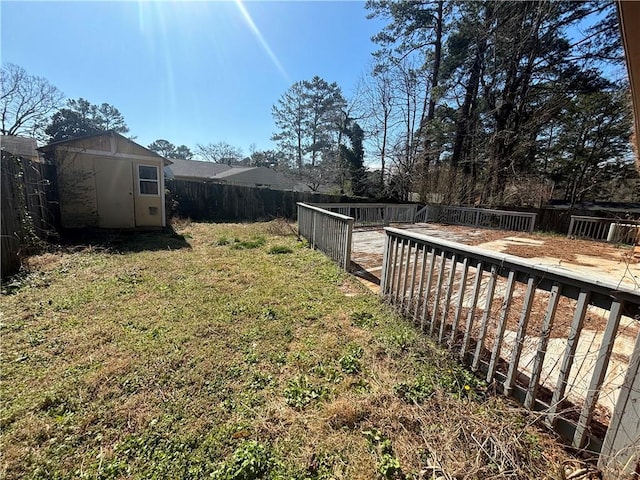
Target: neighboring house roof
(223,173)
(69,142)
(259,176)
(19,146)
(194,169)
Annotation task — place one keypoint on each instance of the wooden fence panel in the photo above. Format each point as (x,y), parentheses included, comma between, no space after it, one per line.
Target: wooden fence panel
(29,208)
(12,231)
(216,202)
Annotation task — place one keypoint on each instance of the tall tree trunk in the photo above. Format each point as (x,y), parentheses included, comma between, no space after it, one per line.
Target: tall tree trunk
(464,122)
(431,110)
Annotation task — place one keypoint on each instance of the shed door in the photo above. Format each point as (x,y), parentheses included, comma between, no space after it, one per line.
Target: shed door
(114,191)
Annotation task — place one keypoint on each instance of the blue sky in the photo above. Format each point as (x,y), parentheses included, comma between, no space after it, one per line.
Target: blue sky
(189,72)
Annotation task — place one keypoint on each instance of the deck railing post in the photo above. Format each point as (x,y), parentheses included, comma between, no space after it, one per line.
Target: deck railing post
(620,452)
(347,247)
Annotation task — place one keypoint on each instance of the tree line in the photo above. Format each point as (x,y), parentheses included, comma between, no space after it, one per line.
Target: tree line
(492,103)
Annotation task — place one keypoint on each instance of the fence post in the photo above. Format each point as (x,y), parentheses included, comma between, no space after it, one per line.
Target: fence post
(313,229)
(621,448)
(477,222)
(385,265)
(571,224)
(347,249)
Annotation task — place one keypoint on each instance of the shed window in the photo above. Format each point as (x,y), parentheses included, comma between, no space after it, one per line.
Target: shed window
(148,179)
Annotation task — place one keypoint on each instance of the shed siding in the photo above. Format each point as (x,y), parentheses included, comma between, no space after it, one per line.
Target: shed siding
(77,189)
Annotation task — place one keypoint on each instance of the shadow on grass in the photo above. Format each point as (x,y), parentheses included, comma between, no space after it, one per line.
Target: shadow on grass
(123,241)
(362,272)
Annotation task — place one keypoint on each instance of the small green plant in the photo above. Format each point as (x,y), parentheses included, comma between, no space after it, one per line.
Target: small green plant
(300,392)
(280,249)
(362,319)
(278,358)
(321,466)
(460,382)
(415,392)
(350,361)
(328,374)
(260,380)
(388,464)
(255,242)
(250,461)
(223,241)
(361,386)
(398,341)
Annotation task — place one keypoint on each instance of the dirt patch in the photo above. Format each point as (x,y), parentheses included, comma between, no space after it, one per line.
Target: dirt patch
(475,236)
(568,250)
(367,260)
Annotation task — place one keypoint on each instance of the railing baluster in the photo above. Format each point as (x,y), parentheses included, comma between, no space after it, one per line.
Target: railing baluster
(472,309)
(447,300)
(400,269)
(485,317)
(427,290)
(502,324)
(462,288)
(599,371)
(394,267)
(520,335)
(569,353)
(534,383)
(421,284)
(413,277)
(436,301)
(405,277)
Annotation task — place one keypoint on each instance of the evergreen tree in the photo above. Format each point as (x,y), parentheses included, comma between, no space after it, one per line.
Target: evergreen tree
(82,118)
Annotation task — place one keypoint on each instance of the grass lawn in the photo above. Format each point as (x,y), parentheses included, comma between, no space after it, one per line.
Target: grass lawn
(238,354)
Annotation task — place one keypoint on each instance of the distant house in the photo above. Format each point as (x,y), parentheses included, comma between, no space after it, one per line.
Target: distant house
(24,147)
(195,170)
(108,181)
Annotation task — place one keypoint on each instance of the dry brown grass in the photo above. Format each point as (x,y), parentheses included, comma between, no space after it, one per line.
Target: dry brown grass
(173,362)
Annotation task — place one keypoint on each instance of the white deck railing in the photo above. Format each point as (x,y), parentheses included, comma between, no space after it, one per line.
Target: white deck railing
(374,214)
(488,218)
(327,231)
(559,343)
(604,229)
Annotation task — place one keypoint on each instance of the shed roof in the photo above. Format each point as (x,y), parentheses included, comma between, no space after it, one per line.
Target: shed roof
(111,133)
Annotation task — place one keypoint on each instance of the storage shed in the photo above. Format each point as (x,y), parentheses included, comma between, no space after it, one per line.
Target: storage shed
(108,181)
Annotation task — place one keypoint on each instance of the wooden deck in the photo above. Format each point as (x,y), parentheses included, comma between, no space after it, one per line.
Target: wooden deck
(368,246)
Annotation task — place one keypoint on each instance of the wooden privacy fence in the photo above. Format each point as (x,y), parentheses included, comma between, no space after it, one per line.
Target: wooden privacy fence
(216,202)
(29,208)
(487,218)
(604,229)
(374,214)
(327,231)
(560,344)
